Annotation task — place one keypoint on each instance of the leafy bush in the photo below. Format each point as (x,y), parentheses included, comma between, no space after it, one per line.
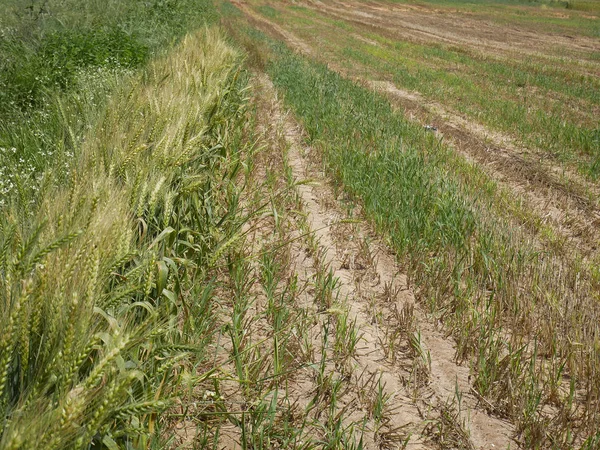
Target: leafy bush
(59,57)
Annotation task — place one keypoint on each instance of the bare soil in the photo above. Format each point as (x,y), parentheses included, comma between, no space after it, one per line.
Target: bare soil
(375,286)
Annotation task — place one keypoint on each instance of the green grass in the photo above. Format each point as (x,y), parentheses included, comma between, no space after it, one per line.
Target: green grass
(268,11)
(545,106)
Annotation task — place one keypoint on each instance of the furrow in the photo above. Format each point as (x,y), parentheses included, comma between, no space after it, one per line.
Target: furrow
(447,378)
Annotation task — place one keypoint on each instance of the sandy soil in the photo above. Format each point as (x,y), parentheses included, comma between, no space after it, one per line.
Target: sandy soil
(377,282)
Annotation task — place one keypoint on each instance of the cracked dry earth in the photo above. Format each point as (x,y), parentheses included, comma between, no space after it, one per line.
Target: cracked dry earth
(399,348)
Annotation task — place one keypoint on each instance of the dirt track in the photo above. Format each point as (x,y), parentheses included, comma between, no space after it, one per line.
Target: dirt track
(374,281)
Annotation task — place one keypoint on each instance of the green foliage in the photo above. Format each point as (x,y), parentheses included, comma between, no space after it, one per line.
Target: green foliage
(106,286)
(61,55)
(58,62)
(46,47)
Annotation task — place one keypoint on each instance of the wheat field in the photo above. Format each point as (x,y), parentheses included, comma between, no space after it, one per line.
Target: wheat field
(305,224)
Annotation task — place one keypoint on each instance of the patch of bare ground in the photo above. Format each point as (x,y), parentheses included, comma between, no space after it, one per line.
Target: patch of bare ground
(412,361)
(560,198)
(374,394)
(336,385)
